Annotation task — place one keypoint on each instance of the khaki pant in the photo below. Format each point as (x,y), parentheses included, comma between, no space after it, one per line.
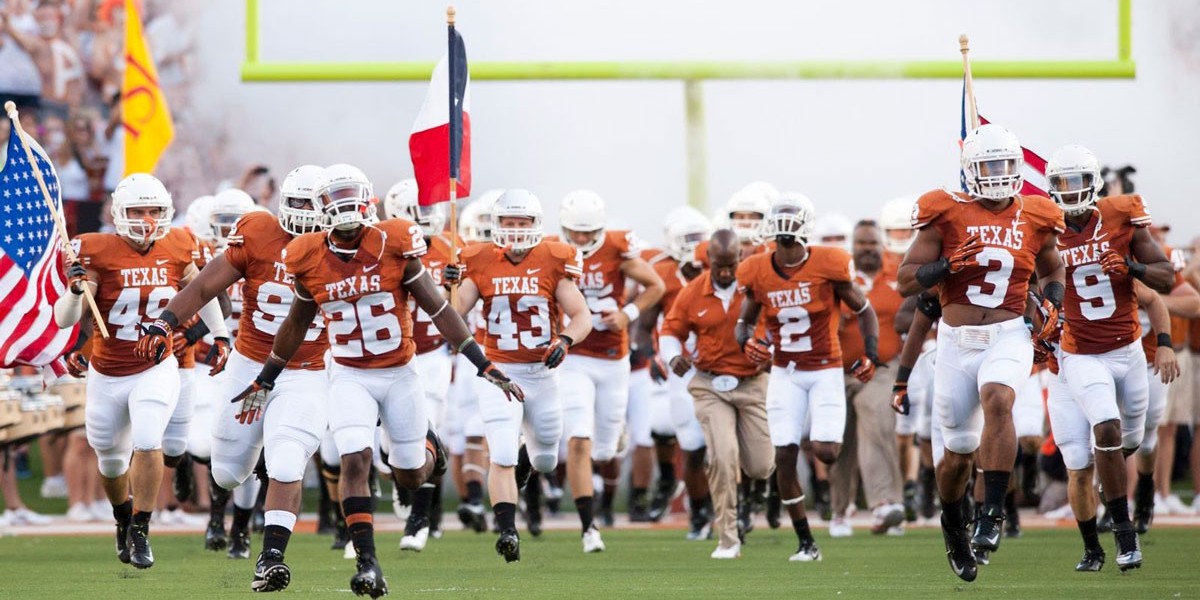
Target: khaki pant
(868,446)
(1181,393)
(735,429)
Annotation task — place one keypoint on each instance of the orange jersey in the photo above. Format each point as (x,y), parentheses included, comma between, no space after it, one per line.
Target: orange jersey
(801,309)
(263,298)
(882,295)
(668,270)
(363,298)
(1179,325)
(1101,310)
(133,289)
(426,335)
(1012,238)
(603,286)
(703,313)
(519,303)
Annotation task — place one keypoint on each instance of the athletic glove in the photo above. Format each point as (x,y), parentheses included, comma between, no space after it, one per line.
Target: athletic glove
(77,363)
(757,350)
(964,255)
(1050,330)
(497,378)
(452,274)
(155,343)
(556,350)
(1113,264)
(658,370)
(900,402)
(253,399)
(217,355)
(76,277)
(863,369)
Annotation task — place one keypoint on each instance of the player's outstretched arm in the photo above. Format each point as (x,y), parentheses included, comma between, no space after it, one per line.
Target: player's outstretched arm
(923,266)
(157,342)
(868,324)
(1183,301)
(1152,267)
(209,283)
(68,309)
(651,291)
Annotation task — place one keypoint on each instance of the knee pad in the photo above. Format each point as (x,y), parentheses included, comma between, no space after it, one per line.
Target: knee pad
(544,463)
(174,447)
(1149,442)
(960,442)
(113,463)
(1077,455)
(286,461)
(226,476)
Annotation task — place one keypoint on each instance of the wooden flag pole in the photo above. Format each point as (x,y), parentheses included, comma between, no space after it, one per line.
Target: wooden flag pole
(451,17)
(968,82)
(11,108)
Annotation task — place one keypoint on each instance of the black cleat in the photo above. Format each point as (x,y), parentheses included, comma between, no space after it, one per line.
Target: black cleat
(184,482)
(1092,561)
(509,546)
(639,514)
(1143,515)
(910,501)
(533,519)
(774,508)
(440,456)
(745,520)
(473,517)
(987,530)
(270,574)
(1129,548)
(368,581)
(982,557)
(958,552)
(140,554)
(123,541)
(239,544)
(607,519)
(665,492)
(214,536)
(524,468)
(700,525)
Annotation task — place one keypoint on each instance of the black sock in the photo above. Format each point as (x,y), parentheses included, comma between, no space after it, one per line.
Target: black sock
(1091,538)
(533,496)
(953,512)
(802,531)
(475,492)
(141,518)
(995,486)
(422,501)
(583,505)
(606,501)
(275,537)
(1119,509)
(666,471)
(218,498)
(123,512)
(506,516)
(1143,491)
(241,518)
(1010,508)
(361,523)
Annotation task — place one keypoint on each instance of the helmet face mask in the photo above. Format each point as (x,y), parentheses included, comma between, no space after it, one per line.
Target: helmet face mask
(895,219)
(430,219)
(583,218)
(789,222)
(141,208)
(517,221)
(343,195)
(297,212)
(992,160)
(1074,179)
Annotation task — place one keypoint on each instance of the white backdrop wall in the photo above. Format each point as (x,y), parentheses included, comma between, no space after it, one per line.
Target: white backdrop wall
(849,145)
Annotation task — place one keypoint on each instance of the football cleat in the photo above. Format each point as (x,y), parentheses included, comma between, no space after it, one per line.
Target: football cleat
(509,546)
(886,517)
(524,468)
(341,537)
(473,516)
(606,516)
(1092,561)
(745,521)
(807,552)
(401,502)
(140,554)
(214,536)
(270,573)
(416,534)
(123,541)
(958,552)
(368,581)
(1129,548)
(1104,523)
(665,493)
(239,544)
(1143,515)
(639,514)
(982,557)
(700,525)
(774,508)
(591,541)
(987,530)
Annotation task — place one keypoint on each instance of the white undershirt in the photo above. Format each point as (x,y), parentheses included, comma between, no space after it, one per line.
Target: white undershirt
(724,294)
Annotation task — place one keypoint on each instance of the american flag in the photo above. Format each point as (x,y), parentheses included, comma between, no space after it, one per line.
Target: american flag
(31,270)
(1034,183)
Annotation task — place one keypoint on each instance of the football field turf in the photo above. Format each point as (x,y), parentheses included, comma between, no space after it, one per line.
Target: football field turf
(643,564)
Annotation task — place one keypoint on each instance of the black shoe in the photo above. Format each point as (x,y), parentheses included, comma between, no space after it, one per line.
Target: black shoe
(1104,524)
(987,530)
(123,541)
(368,581)
(822,505)
(140,554)
(239,544)
(1129,548)
(958,552)
(524,468)
(982,557)
(1092,561)
(184,482)
(214,536)
(910,501)
(534,519)
(639,514)
(270,574)
(665,492)
(440,456)
(473,516)
(700,525)
(509,546)
(745,521)
(341,537)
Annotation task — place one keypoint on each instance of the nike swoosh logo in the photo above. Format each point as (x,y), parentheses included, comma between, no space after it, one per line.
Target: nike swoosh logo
(370,268)
(532,271)
(162,261)
(701,313)
(594,266)
(435,263)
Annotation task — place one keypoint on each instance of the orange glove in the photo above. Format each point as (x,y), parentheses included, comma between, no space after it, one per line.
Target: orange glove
(254,401)
(556,351)
(497,378)
(217,355)
(863,369)
(1113,264)
(757,350)
(77,363)
(964,255)
(155,343)
(900,402)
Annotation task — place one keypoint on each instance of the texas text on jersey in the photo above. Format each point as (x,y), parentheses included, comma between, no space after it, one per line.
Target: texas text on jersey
(603,285)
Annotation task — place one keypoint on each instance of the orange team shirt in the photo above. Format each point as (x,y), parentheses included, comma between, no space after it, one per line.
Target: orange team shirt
(426,335)
(1012,238)
(363,298)
(800,309)
(603,286)
(519,305)
(256,245)
(882,295)
(699,310)
(134,288)
(1101,310)
(207,253)
(652,256)
(1179,325)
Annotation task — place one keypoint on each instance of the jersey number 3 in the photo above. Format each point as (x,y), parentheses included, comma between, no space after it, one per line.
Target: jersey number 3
(999,265)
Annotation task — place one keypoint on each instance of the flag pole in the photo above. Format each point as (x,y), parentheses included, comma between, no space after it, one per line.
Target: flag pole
(968,82)
(451,17)
(11,108)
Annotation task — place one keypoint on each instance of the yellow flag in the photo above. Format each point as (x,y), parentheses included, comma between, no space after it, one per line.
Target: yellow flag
(144,112)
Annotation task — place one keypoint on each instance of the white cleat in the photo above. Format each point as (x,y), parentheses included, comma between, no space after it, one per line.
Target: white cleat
(840,527)
(808,552)
(592,542)
(402,510)
(731,552)
(349,553)
(415,542)
(1177,507)
(24,516)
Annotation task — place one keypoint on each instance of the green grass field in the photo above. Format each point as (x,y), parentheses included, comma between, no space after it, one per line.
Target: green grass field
(644,564)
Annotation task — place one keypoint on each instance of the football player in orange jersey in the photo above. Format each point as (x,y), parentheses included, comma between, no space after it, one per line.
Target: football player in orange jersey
(983,246)
(360,274)
(1103,389)
(746,211)
(597,370)
(798,287)
(527,285)
(294,418)
(133,274)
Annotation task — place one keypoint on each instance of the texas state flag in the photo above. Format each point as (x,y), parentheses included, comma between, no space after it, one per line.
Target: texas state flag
(440,144)
(1034,183)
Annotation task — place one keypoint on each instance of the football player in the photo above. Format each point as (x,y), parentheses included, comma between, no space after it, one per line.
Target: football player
(527,286)
(597,370)
(1102,389)
(799,287)
(983,246)
(133,273)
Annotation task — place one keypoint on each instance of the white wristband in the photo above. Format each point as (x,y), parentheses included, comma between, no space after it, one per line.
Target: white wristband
(632,311)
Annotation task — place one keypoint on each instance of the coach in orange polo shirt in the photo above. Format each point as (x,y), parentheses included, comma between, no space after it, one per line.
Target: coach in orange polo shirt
(729,390)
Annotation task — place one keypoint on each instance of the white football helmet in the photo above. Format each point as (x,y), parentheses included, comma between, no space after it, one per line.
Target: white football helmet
(475,223)
(833,230)
(896,221)
(754,199)
(343,195)
(686,228)
(401,201)
(227,207)
(992,161)
(583,211)
(1073,174)
(297,213)
(142,190)
(517,203)
(197,218)
(790,215)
